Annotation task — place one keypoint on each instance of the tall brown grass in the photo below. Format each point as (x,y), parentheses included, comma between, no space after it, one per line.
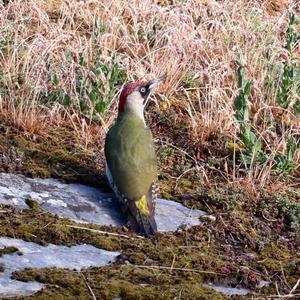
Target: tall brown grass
(195,43)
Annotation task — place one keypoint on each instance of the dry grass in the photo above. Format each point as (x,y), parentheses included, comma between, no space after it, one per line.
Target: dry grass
(195,43)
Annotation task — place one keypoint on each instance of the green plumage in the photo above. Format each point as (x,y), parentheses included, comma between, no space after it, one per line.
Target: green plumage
(131,160)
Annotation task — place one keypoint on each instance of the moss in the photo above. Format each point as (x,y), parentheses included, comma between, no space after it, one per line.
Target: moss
(34,170)
(8,250)
(277,257)
(54,155)
(286,206)
(33,204)
(126,282)
(71,283)
(214,247)
(210,248)
(183,190)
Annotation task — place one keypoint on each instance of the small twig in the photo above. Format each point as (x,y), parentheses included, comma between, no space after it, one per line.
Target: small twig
(209,237)
(184,152)
(267,219)
(207,206)
(223,221)
(277,289)
(4,211)
(49,223)
(252,270)
(103,232)
(176,269)
(294,296)
(283,275)
(173,262)
(89,288)
(294,287)
(181,175)
(277,297)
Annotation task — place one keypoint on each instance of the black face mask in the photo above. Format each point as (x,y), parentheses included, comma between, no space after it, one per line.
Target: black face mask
(145,91)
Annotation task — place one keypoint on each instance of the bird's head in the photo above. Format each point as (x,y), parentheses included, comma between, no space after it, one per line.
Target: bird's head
(135,95)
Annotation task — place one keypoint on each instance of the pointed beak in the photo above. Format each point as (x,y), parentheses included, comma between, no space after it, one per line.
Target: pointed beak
(155,82)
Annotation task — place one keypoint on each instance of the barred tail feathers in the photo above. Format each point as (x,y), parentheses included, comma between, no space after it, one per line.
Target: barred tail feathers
(141,215)
(143,225)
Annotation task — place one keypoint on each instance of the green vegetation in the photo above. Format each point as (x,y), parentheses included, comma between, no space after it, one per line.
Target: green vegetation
(48,156)
(289,89)
(8,250)
(253,145)
(223,198)
(285,163)
(253,151)
(284,205)
(201,254)
(97,82)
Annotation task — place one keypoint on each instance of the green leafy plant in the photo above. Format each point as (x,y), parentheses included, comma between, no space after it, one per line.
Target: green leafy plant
(291,34)
(253,144)
(253,150)
(96,84)
(6,46)
(6,43)
(90,85)
(284,97)
(55,93)
(289,85)
(289,208)
(285,163)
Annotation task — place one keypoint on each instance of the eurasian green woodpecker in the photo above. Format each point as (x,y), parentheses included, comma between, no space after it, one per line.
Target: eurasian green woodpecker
(130,158)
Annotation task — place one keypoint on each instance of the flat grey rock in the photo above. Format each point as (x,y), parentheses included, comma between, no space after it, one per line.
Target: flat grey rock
(74,201)
(227,290)
(36,256)
(170,215)
(86,204)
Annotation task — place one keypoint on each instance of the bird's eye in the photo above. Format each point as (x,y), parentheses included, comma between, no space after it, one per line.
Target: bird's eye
(143,90)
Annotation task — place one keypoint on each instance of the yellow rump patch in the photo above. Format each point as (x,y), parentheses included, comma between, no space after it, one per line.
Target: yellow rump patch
(142,205)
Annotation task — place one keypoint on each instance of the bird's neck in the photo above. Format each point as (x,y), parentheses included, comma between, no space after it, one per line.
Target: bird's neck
(133,113)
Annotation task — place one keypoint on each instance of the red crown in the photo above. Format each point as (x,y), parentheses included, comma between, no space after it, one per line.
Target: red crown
(127,90)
